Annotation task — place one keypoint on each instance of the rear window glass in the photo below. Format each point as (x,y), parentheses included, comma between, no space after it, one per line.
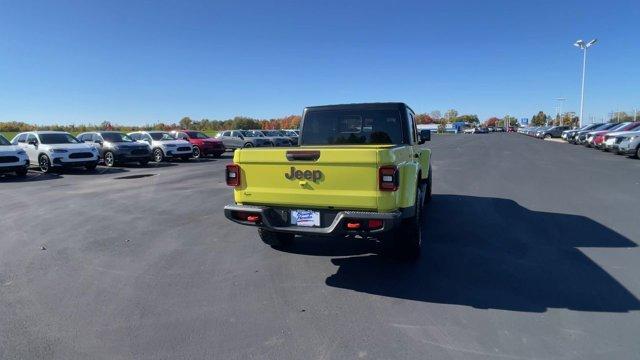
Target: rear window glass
(344,127)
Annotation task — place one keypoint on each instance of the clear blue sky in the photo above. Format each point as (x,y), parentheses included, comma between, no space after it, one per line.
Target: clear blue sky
(134,62)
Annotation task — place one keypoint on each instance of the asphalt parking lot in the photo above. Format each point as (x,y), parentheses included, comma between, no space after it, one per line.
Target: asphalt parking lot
(530,252)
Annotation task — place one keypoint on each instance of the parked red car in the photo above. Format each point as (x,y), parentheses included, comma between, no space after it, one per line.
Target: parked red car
(203,145)
(598,140)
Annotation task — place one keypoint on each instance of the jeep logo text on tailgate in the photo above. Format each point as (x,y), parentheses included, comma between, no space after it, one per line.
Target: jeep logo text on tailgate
(314,175)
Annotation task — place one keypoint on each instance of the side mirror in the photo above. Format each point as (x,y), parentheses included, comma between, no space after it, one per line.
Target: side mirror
(425,135)
(98,142)
(33,142)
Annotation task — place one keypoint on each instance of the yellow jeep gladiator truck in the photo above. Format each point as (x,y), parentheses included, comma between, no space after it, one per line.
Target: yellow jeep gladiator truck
(359,169)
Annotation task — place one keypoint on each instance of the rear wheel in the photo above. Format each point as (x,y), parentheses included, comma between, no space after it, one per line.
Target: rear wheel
(427,194)
(248,145)
(44,164)
(547,136)
(638,152)
(275,239)
(405,243)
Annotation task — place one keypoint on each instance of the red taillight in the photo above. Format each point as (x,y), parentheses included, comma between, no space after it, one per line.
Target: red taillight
(374,224)
(232,175)
(353,225)
(388,178)
(357,224)
(247,216)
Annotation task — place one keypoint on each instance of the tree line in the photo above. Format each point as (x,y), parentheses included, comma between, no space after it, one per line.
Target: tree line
(293,122)
(238,122)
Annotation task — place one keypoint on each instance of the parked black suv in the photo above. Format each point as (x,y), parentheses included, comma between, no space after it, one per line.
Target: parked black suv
(553,132)
(116,147)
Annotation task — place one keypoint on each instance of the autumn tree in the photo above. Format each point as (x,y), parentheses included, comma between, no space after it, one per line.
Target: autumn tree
(569,119)
(509,120)
(186,123)
(539,119)
(424,119)
(436,116)
(470,119)
(620,116)
(491,122)
(451,115)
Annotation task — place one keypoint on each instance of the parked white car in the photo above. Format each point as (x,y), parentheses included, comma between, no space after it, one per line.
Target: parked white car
(12,158)
(610,139)
(56,150)
(630,144)
(163,145)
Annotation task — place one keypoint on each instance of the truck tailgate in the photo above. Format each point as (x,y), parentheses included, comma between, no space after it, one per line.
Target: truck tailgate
(339,178)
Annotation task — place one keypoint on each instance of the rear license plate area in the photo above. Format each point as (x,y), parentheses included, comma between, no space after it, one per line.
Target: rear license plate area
(307,218)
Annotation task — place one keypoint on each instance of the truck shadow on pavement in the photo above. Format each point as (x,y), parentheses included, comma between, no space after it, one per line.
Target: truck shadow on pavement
(492,253)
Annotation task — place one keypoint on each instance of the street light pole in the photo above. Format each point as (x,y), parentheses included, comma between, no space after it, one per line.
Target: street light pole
(560,100)
(584,46)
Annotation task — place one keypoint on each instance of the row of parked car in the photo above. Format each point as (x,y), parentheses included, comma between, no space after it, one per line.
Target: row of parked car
(486,130)
(544,132)
(51,150)
(620,138)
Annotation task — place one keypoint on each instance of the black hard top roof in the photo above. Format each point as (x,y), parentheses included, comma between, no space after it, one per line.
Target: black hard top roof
(362,106)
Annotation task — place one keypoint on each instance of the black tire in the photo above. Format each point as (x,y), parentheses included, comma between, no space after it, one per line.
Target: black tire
(248,145)
(144,162)
(275,239)
(196,152)
(406,241)
(109,159)
(44,164)
(91,167)
(638,152)
(428,192)
(158,155)
(22,172)
(547,136)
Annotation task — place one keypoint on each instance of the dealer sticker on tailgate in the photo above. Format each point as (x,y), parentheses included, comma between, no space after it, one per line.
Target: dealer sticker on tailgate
(305,218)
